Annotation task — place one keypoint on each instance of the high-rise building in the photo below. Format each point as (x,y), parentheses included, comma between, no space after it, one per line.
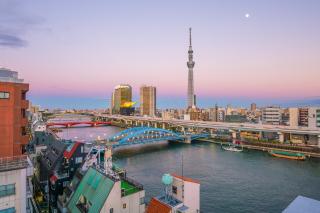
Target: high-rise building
(190,64)
(253,107)
(121,96)
(13,107)
(148,100)
(271,115)
(314,117)
(293,117)
(15,168)
(221,115)
(213,113)
(229,110)
(303,116)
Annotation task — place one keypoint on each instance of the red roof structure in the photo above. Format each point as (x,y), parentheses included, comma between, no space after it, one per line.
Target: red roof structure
(53,179)
(186,178)
(67,154)
(155,206)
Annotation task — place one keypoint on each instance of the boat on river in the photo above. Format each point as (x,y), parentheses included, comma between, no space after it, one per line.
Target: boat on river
(232,148)
(288,155)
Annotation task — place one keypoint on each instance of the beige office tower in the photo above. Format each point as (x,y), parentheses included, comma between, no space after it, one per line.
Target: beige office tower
(148,100)
(122,94)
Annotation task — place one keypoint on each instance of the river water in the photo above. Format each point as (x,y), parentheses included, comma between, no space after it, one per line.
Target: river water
(250,181)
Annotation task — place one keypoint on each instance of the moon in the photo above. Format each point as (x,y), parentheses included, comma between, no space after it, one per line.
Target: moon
(247,15)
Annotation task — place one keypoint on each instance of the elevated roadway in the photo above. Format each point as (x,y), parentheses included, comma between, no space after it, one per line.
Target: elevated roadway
(217,125)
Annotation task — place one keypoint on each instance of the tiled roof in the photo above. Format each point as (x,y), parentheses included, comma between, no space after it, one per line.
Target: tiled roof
(95,187)
(155,206)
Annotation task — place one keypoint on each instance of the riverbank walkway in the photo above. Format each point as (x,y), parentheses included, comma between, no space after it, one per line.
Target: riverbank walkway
(266,147)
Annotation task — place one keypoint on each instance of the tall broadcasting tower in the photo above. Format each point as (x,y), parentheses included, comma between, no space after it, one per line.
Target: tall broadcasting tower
(190,64)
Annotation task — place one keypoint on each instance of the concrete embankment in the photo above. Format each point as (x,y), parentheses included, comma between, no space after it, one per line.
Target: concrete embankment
(265,149)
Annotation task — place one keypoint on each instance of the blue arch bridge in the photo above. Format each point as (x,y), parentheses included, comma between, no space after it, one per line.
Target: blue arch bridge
(147,135)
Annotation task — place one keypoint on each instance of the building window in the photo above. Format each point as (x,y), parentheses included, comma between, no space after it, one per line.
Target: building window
(83,204)
(65,183)
(4,95)
(124,205)
(111,210)
(23,131)
(78,159)
(174,189)
(23,95)
(7,190)
(23,113)
(9,210)
(142,201)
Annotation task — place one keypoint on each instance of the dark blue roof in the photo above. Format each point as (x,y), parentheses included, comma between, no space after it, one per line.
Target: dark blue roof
(302,205)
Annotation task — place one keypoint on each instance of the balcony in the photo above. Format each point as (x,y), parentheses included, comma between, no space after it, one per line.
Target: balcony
(24,104)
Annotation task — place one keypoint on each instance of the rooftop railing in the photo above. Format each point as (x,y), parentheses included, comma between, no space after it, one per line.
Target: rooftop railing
(13,163)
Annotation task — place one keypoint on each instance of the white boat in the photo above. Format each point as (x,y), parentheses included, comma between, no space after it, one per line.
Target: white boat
(232,148)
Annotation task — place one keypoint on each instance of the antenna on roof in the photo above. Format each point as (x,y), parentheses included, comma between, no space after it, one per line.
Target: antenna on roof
(182,164)
(182,177)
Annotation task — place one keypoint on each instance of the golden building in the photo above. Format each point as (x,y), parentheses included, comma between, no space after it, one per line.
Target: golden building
(121,95)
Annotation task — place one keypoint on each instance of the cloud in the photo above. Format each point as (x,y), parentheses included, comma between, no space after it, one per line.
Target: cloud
(11,41)
(15,23)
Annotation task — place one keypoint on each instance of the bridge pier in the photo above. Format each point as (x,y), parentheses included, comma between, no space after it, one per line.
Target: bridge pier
(281,137)
(233,134)
(187,139)
(260,135)
(319,141)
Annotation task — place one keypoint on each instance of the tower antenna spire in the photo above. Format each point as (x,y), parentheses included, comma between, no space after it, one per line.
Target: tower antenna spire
(190,64)
(190,36)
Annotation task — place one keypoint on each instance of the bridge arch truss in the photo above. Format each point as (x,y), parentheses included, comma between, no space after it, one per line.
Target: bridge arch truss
(142,135)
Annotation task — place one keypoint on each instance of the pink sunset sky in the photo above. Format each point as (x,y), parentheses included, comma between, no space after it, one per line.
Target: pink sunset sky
(84,49)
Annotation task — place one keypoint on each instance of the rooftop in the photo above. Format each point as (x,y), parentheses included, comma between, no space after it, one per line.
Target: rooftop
(303,204)
(7,75)
(172,202)
(186,178)
(155,206)
(128,188)
(95,188)
(13,163)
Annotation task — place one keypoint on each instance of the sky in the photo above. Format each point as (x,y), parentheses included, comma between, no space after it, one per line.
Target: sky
(73,53)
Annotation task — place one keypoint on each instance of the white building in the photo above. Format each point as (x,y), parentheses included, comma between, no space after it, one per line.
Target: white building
(182,195)
(271,115)
(15,184)
(314,117)
(101,192)
(293,117)
(221,115)
(306,116)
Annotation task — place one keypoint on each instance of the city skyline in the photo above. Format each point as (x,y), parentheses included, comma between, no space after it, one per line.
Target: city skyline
(266,52)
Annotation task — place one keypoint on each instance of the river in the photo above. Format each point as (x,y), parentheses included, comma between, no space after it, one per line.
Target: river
(250,181)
